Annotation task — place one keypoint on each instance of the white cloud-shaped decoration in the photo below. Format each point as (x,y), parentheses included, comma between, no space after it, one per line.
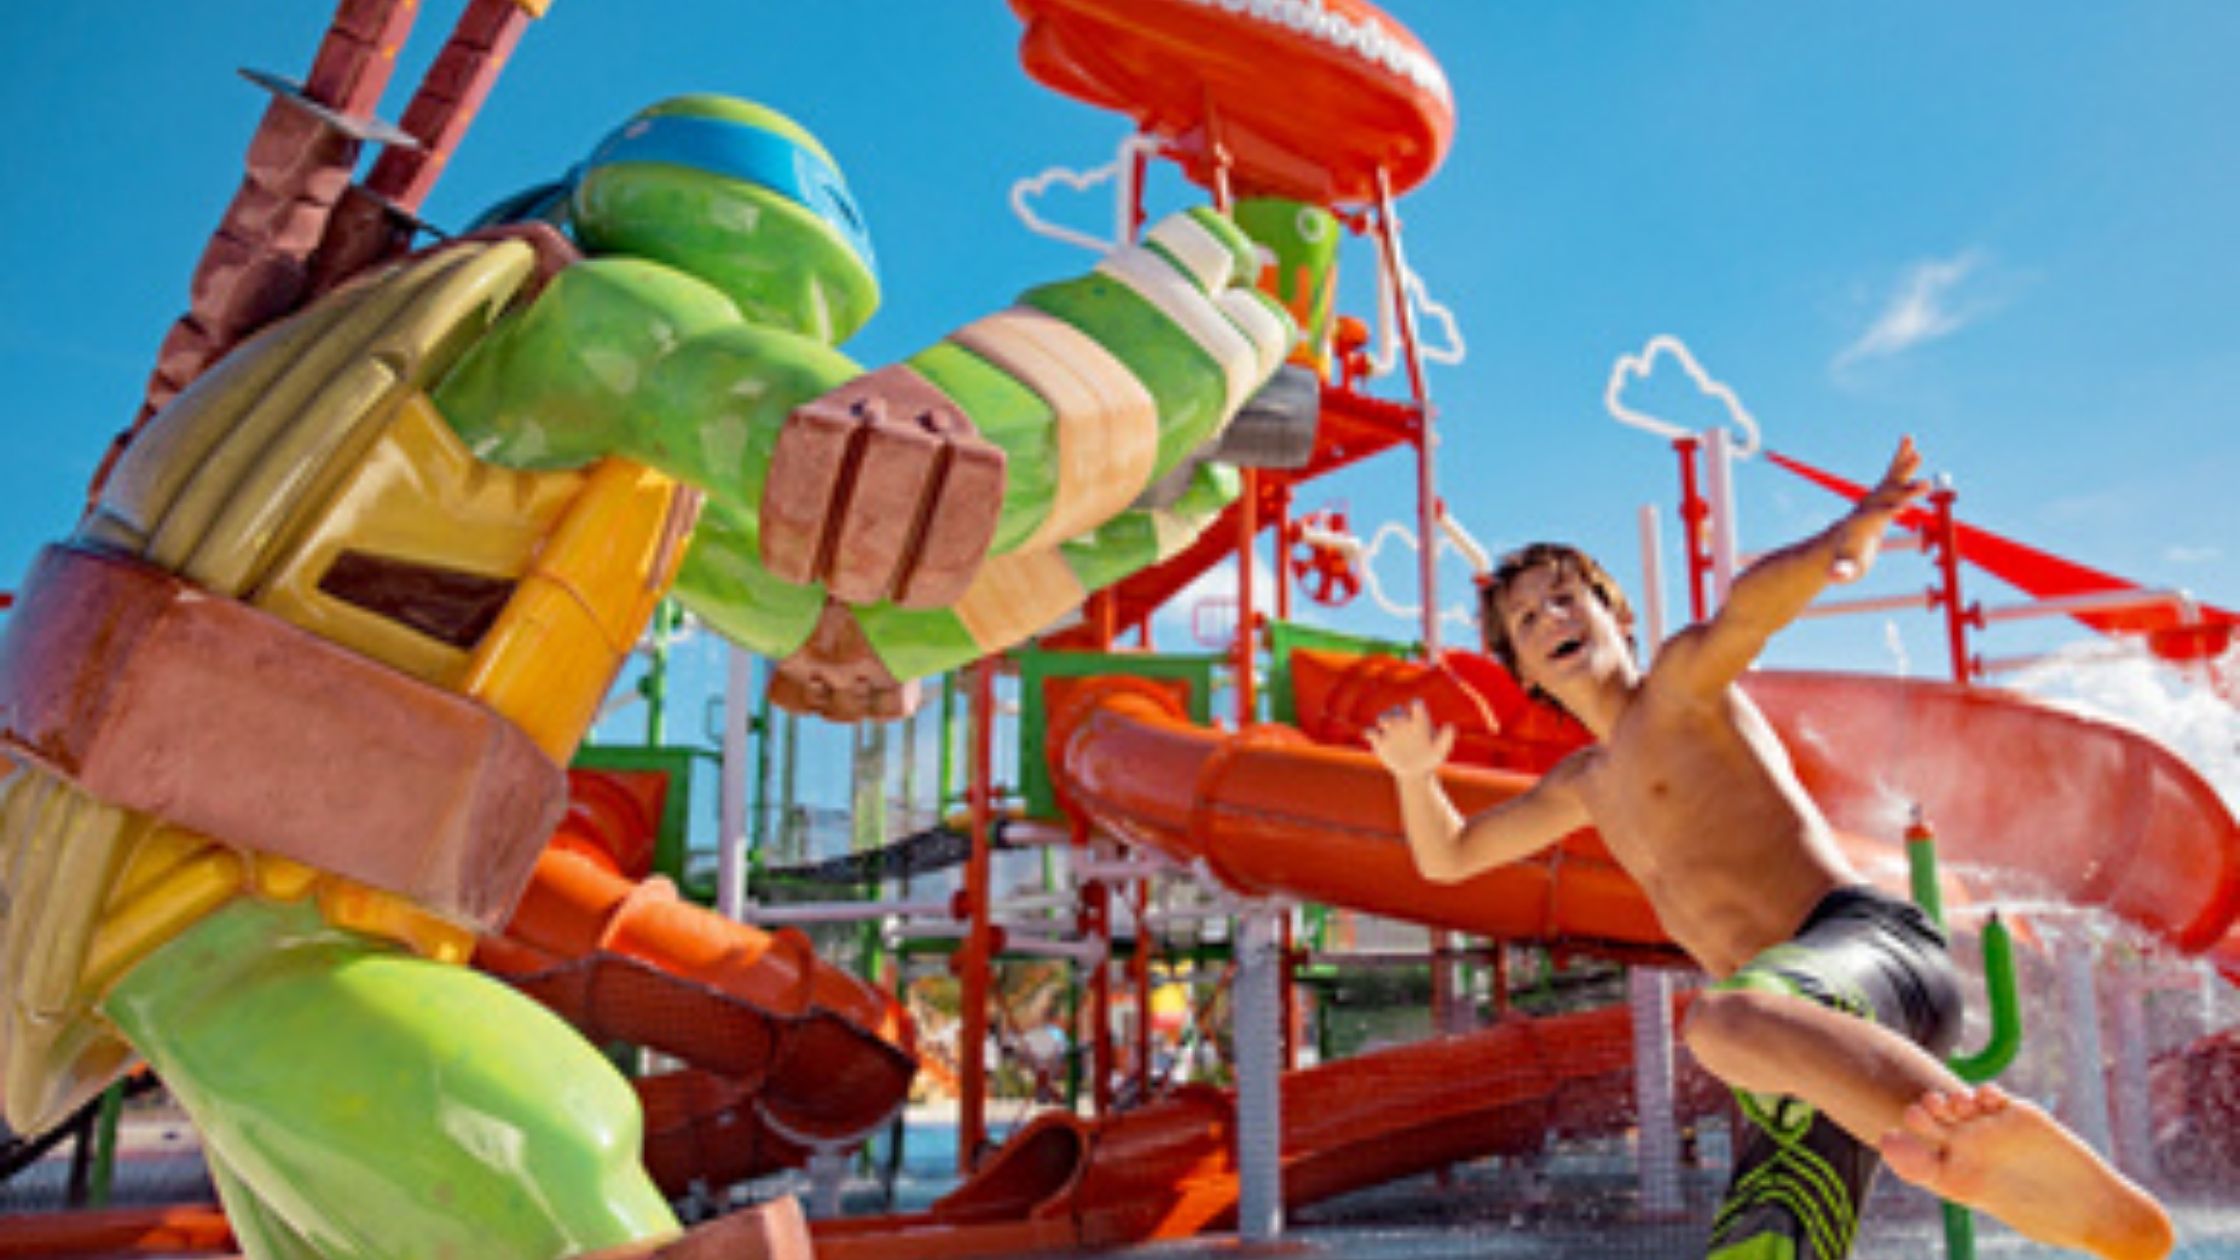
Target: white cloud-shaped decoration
(1028,194)
(1636,367)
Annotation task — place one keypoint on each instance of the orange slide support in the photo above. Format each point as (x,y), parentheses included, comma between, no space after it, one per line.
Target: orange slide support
(781,1052)
(1167,1170)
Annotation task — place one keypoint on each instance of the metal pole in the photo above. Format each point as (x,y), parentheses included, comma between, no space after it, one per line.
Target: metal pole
(1725,530)
(1652,585)
(946,770)
(1649,994)
(1096,924)
(1692,511)
(1427,516)
(655,685)
(758,814)
(1946,539)
(974,958)
(731,844)
(2134,1125)
(1247,525)
(1427,485)
(1259,1009)
(1139,164)
(910,817)
(794,841)
(2088,1082)
(1103,615)
(105,1124)
(828,1174)
(77,1184)
(1288,987)
(1139,970)
(1283,550)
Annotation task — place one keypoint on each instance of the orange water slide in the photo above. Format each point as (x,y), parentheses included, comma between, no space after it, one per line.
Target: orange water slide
(781,1052)
(1270,810)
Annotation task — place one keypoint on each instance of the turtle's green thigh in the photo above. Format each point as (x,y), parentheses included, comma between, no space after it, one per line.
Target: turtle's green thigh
(373,1104)
(257,1230)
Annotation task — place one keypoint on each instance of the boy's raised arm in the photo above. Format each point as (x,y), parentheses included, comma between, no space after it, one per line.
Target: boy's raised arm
(1446,846)
(1771,593)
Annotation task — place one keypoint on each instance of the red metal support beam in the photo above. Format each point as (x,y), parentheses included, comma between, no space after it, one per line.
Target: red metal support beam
(1695,514)
(974,958)
(1944,537)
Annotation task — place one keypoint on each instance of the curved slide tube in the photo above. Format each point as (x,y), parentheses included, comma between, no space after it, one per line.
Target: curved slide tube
(2028,802)
(781,1052)
(2063,807)
(1271,811)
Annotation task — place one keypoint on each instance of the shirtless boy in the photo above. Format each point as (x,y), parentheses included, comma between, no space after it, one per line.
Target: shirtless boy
(1834,1001)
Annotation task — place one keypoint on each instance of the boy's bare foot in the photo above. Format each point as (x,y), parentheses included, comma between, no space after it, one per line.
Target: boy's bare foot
(1983,1149)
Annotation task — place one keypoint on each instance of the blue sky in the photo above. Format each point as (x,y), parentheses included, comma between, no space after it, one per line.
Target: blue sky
(2006,228)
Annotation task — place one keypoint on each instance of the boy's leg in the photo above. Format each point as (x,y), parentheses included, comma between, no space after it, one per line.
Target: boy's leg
(1862,1075)
(1784,1032)
(1787,1028)
(2004,1155)
(1978,1148)
(1798,1187)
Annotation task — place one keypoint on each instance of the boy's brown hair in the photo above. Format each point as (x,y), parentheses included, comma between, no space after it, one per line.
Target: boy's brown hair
(1523,560)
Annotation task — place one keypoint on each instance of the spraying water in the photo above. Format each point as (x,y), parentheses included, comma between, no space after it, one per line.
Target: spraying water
(2120,681)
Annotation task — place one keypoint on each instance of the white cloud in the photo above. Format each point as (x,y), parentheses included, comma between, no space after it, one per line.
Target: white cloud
(2182,554)
(2102,508)
(1924,306)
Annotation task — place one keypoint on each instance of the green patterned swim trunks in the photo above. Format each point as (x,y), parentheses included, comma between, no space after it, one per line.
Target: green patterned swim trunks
(1799,1180)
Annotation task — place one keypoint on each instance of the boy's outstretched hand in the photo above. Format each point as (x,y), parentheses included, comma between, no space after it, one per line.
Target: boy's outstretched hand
(1858,537)
(1408,744)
